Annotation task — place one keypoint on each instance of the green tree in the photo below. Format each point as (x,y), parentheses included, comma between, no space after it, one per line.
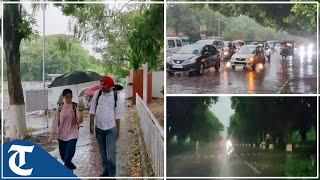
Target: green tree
(57,61)
(256,116)
(191,117)
(15,29)
(146,39)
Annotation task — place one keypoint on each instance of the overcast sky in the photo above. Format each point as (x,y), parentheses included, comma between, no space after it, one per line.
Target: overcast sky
(56,23)
(222,110)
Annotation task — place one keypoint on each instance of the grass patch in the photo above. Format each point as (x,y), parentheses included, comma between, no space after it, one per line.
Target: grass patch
(173,147)
(298,165)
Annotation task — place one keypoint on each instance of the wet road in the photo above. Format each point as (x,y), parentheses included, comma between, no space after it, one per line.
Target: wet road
(244,162)
(215,165)
(278,76)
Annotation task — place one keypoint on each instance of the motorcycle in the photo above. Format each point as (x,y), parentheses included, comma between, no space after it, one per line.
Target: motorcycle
(284,53)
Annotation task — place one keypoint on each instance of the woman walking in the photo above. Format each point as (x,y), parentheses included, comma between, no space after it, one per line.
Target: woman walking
(65,127)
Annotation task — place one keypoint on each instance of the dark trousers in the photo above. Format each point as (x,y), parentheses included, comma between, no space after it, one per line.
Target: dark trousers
(107,142)
(67,150)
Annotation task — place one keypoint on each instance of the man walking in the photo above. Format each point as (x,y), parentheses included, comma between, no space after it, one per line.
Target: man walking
(104,110)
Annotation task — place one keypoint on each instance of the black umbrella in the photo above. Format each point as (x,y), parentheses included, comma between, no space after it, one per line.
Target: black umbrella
(75,77)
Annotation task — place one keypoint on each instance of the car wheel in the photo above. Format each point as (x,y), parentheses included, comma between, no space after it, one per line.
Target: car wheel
(201,69)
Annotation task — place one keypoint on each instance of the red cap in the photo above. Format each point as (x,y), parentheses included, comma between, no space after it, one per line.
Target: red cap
(107,80)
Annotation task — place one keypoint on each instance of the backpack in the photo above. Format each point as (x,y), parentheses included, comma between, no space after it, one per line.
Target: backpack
(74,108)
(115,95)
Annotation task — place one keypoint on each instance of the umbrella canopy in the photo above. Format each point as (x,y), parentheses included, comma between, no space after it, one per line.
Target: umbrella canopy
(90,91)
(83,92)
(75,77)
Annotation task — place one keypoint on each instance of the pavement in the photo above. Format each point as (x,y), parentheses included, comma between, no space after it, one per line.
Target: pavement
(87,156)
(278,76)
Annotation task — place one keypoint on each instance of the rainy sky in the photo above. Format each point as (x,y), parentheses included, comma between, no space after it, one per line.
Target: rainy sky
(222,110)
(56,23)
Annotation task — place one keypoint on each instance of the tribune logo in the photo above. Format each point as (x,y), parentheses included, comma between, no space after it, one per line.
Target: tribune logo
(21,151)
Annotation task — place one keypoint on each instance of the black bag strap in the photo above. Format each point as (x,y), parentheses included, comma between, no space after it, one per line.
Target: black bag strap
(115,96)
(74,108)
(97,100)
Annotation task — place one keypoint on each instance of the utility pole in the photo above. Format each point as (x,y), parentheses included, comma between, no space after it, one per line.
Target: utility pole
(44,45)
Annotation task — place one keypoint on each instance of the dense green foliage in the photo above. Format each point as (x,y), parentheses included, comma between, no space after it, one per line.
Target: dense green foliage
(146,38)
(237,28)
(190,117)
(127,35)
(279,117)
(251,22)
(297,166)
(57,61)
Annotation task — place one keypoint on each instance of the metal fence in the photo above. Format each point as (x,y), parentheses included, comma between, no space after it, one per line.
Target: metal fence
(153,136)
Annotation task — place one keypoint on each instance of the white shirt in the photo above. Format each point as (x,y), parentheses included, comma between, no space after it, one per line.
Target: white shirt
(105,113)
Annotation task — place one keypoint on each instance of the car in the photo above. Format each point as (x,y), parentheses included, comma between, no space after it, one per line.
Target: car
(194,58)
(248,56)
(219,44)
(173,45)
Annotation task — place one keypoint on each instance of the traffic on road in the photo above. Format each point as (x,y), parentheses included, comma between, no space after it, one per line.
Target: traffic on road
(207,66)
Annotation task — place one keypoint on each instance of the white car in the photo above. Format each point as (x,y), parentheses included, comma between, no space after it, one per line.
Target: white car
(248,56)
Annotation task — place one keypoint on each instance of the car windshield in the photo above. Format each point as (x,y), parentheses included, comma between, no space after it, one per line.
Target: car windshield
(190,50)
(204,42)
(171,43)
(246,50)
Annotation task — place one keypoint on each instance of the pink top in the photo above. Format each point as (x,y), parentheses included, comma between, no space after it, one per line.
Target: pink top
(66,123)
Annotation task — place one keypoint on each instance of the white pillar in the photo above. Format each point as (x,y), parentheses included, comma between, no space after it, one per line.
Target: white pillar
(270,146)
(289,147)
(18,127)
(145,82)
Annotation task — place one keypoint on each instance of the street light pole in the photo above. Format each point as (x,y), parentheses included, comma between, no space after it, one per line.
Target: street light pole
(44,43)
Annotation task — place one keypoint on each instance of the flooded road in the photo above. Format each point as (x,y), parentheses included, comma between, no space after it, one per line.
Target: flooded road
(292,75)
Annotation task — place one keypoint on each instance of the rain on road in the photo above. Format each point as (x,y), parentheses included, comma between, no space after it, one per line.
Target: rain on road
(278,76)
(244,162)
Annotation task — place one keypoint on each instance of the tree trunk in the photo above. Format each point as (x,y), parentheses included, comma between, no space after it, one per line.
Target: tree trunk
(11,40)
(303,133)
